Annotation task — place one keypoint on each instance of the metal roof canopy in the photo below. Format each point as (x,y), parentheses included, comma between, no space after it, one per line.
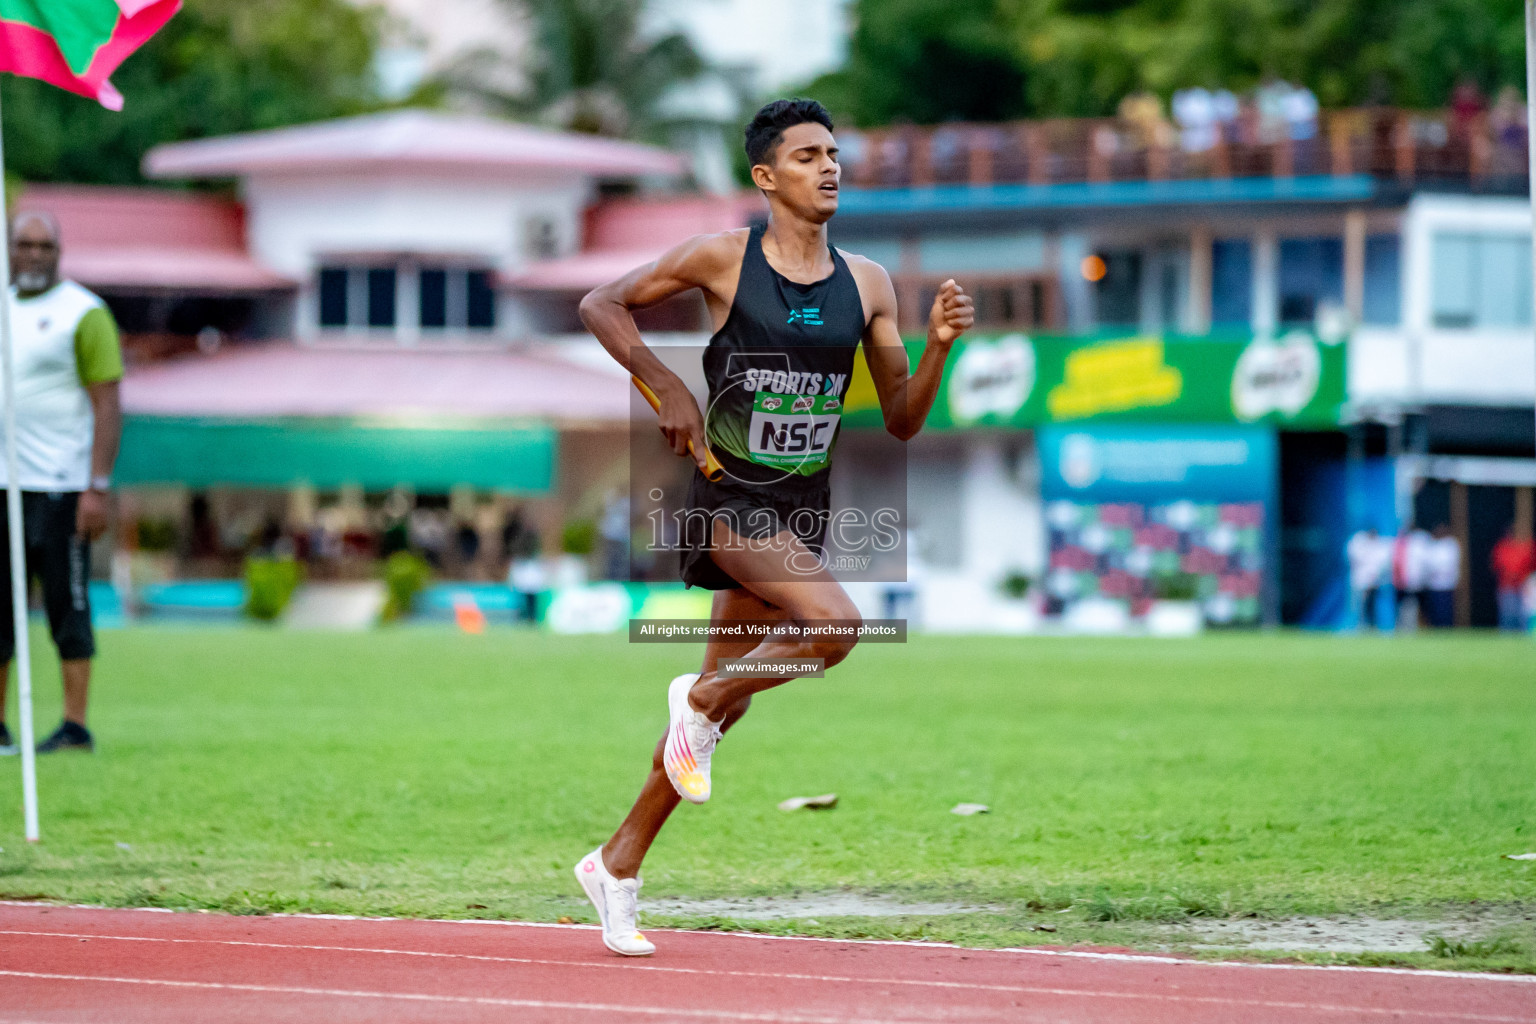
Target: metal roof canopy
(328,453)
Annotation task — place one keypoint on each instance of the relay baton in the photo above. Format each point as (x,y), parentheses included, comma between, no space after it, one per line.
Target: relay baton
(713,471)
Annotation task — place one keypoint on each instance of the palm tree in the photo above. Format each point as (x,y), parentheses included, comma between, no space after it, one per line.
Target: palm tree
(589,68)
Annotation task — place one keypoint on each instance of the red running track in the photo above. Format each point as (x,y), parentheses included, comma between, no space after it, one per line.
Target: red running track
(71,965)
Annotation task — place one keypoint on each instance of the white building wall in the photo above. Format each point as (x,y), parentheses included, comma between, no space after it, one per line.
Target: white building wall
(1473,366)
(1381,368)
(998,513)
(296,222)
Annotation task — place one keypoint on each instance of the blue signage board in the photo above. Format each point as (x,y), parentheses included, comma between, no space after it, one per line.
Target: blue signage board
(1164,463)
(1137,515)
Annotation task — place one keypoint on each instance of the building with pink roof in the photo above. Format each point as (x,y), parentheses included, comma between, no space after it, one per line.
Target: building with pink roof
(363,315)
(397,227)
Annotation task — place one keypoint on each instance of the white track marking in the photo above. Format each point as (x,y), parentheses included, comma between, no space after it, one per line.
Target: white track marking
(423,997)
(786,976)
(1146,958)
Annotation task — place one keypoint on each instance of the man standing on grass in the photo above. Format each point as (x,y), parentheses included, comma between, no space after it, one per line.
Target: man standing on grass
(789,313)
(1513,561)
(1442,575)
(69,422)
(1370,565)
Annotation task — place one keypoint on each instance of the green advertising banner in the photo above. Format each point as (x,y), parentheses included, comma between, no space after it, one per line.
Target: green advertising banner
(1019,380)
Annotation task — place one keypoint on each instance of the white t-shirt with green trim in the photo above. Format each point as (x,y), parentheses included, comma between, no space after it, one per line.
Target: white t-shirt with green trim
(61,341)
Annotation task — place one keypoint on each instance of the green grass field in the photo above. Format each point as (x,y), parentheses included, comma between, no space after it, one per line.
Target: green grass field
(1132,783)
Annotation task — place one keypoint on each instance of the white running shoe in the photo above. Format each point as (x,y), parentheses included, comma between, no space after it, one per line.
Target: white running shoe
(615,900)
(691,740)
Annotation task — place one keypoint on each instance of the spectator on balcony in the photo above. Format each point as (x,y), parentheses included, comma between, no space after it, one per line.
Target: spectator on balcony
(1227,108)
(853,150)
(1300,107)
(1195,111)
(1142,115)
(893,159)
(1468,104)
(1270,102)
(946,152)
(1245,129)
(1507,121)
(1506,124)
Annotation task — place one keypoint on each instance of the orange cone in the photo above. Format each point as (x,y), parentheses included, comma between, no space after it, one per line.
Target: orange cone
(468,615)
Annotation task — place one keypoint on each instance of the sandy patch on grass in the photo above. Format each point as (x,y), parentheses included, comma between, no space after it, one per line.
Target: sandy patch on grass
(793,908)
(1351,934)
(1338,934)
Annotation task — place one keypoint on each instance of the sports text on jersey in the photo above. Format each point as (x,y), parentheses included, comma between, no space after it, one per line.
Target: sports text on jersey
(793,382)
(810,316)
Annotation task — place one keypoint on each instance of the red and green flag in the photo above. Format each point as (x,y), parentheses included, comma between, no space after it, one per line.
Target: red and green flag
(77,44)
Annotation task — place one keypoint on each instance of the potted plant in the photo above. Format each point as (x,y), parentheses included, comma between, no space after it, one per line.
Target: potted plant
(1175,607)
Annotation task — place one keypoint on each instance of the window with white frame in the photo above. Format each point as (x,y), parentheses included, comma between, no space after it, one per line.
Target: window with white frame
(1481,280)
(379,297)
(456,298)
(360,296)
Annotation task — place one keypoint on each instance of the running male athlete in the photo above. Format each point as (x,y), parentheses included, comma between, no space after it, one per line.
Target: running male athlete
(789,312)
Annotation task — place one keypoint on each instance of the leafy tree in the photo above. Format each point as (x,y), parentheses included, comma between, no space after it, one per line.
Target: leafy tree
(928,61)
(591,68)
(1086,54)
(219,66)
(934,60)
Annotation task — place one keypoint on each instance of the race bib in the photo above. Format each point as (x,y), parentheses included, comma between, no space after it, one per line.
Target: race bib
(793,431)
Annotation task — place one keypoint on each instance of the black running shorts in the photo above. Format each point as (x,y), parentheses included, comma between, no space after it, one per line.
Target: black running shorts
(60,559)
(754,512)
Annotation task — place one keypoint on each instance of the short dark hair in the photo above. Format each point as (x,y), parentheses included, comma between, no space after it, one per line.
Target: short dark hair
(767,128)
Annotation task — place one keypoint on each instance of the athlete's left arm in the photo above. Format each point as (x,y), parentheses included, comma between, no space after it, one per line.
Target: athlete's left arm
(906,397)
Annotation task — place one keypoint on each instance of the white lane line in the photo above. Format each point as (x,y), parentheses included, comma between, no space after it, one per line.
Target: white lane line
(1143,958)
(630,965)
(422,997)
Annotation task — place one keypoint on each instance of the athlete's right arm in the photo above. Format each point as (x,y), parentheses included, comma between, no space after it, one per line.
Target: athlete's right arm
(608,312)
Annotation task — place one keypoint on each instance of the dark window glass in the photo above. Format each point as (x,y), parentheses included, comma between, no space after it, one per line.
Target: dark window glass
(1383,280)
(381,297)
(1003,305)
(1311,271)
(333,296)
(1170,295)
(482,301)
(1232,283)
(1117,297)
(434,298)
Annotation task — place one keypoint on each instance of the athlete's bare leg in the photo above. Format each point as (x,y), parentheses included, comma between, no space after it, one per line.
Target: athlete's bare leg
(801,596)
(767,597)
(623,853)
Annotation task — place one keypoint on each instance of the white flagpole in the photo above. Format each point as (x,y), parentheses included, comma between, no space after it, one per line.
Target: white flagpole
(1530,122)
(18,547)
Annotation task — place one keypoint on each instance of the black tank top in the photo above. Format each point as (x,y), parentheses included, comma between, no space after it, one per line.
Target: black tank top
(778,371)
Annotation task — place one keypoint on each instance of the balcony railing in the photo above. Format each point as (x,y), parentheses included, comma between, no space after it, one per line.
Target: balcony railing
(1406,146)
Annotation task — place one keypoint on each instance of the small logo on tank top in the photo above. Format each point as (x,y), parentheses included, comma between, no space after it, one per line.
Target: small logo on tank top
(810,316)
(44,324)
